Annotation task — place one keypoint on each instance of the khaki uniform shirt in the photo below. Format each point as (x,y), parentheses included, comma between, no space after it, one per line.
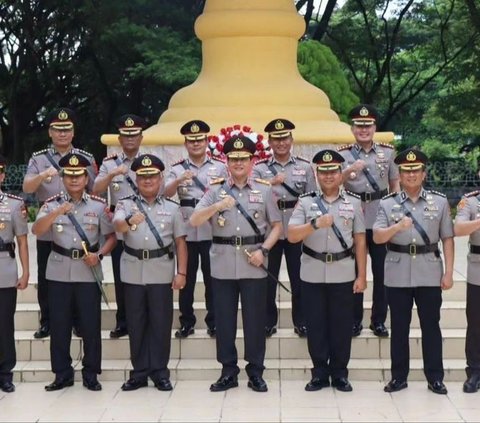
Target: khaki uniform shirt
(469,209)
(92,215)
(54,185)
(299,176)
(379,162)
(13,222)
(432,212)
(208,172)
(165,215)
(348,217)
(229,261)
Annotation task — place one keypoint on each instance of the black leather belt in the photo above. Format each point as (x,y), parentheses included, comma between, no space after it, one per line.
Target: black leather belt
(8,246)
(475,249)
(149,254)
(73,253)
(371,196)
(238,241)
(282,204)
(328,257)
(414,249)
(191,202)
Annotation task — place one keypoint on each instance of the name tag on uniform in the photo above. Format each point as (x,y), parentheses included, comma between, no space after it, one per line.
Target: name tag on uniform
(346,207)
(212,171)
(91,214)
(255,198)
(297,172)
(163,213)
(5,210)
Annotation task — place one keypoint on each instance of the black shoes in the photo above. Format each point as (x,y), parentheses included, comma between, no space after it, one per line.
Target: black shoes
(437,387)
(316,384)
(7,386)
(342,384)
(224,383)
(134,384)
(163,384)
(118,332)
(58,384)
(301,331)
(42,332)
(379,330)
(356,329)
(92,384)
(472,384)
(395,385)
(257,384)
(270,330)
(211,332)
(184,332)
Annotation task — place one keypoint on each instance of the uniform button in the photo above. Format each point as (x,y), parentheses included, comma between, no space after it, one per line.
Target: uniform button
(413,208)
(366,155)
(238,229)
(414,240)
(284,196)
(238,211)
(74,239)
(240,194)
(367,185)
(283,169)
(75,212)
(149,208)
(146,238)
(329,237)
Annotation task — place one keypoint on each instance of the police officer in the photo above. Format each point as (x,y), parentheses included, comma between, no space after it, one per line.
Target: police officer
(332,226)
(290,177)
(13,224)
(240,211)
(189,178)
(412,223)
(153,230)
(369,171)
(76,221)
(467,222)
(43,179)
(116,177)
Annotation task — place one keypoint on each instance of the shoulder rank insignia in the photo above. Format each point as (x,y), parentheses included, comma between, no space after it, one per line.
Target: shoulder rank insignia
(97,198)
(172,201)
(178,162)
(309,194)
(353,194)
(39,153)
(128,197)
(437,193)
(383,144)
(217,181)
(345,147)
(472,194)
(392,194)
(218,159)
(111,157)
(303,159)
(261,161)
(14,196)
(85,153)
(53,198)
(262,181)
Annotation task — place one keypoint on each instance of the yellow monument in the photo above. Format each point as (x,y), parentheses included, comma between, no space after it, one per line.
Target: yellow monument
(250,76)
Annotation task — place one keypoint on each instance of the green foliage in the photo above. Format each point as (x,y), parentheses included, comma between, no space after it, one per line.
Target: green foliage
(319,66)
(32,212)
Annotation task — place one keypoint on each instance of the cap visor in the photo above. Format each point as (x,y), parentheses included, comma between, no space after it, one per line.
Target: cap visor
(328,168)
(283,134)
(413,166)
(196,137)
(362,122)
(148,171)
(74,172)
(59,125)
(239,155)
(130,132)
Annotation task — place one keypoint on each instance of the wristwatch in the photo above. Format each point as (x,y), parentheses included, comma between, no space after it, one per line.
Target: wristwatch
(265,251)
(313,222)
(127,219)
(100,256)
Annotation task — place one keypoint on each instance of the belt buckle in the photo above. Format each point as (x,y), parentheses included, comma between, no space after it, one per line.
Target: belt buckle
(145,254)
(281,204)
(75,254)
(329,258)
(368,197)
(238,241)
(412,249)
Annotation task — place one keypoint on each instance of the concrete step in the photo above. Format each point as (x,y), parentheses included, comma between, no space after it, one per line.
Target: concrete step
(283,345)
(452,315)
(209,369)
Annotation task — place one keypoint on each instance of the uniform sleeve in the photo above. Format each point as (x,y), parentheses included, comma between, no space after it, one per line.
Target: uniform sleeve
(46,208)
(32,168)
(223,171)
(299,215)
(20,225)
(381,221)
(172,175)
(207,200)
(179,226)
(256,172)
(273,213)
(92,173)
(106,223)
(103,170)
(359,219)
(121,211)
(311,180)
(392,169)
(464,210)
(446,223)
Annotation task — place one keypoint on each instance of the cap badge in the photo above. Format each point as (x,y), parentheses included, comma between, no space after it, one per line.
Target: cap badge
(327,157)
(363,111)
(238,144)
(146,161)
(63,115)
(411,157)
(194,128)
(129,122)
(73,161)
(279,125)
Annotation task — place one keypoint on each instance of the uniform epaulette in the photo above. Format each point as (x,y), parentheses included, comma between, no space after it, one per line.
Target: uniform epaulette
(261,161)
(218,159)
(309,194)
(392,194)
(173,201)
(262,181)
(38,153)
(472,194)
(178,162)
(97,198)
(53,198)
(437,193)
(303,159)
(85,153)
(345,147)
(217,181)
(111,157)
(128,197)
(14,196)
(353,194)
(383,144)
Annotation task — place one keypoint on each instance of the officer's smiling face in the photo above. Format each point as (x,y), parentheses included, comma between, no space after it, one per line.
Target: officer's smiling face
(412,179)
(281,146)
(75,184)
(149,185)
(364,133)
(130,144)
(61,138)
(196,148)
(238,167)
(329,180)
